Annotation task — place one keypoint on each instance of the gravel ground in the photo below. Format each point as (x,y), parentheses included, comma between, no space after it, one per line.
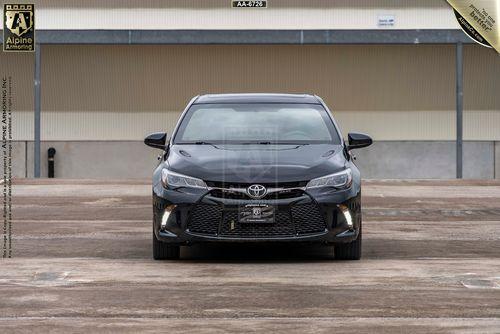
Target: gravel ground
(82,263)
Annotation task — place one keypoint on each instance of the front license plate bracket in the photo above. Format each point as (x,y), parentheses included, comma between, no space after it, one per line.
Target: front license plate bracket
(256,214)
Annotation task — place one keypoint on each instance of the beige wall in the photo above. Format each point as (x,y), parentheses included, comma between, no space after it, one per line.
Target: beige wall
(20,67)
(481,93)
(124,92)
(217,14)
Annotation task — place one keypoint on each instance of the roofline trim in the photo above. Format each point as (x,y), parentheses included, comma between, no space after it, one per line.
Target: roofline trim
(257,102)
(328,36)
(257,98)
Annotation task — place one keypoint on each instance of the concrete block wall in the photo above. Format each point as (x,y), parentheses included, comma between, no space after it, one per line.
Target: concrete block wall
(427,159)
(19,157)
(100,159)
(384,159)
(497,160)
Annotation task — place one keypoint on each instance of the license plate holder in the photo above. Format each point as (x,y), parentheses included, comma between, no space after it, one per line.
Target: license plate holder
(256,214)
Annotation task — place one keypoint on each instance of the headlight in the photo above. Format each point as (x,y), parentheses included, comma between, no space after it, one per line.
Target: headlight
(175,180)
(341,179)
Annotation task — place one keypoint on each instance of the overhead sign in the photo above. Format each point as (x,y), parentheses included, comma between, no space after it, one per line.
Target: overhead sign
(249,4)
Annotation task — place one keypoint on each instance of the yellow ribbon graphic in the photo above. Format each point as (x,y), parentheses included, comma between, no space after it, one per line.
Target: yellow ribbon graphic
(483,16)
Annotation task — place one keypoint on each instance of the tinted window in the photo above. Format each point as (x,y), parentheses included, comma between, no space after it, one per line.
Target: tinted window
(256,122)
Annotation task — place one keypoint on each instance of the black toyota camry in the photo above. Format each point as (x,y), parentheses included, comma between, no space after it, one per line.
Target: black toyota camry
(256,168)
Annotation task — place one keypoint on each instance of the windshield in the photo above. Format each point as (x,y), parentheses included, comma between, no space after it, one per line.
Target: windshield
(263,123)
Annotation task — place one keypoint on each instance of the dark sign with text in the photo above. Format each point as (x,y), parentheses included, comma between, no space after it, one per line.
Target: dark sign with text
(19,27)
(249,4)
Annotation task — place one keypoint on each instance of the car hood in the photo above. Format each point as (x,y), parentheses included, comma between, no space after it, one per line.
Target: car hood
(256,163)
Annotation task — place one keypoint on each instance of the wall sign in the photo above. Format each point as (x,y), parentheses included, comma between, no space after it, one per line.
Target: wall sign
(386,21)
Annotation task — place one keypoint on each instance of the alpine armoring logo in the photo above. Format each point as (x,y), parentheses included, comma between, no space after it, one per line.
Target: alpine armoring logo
(19,27)
(479,19)
(470,31)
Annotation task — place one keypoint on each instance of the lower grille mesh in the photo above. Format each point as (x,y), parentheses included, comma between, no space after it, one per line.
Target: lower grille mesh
(205,219)
(282,227)
(288,222)
(308,218)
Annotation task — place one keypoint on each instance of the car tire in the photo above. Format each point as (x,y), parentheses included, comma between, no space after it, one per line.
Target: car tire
(165,251)
(351,250)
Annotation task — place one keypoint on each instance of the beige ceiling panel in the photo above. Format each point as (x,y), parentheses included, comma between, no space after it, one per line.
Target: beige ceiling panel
(217,14)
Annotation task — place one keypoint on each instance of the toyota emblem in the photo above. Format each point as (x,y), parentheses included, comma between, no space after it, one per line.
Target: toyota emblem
(256,191)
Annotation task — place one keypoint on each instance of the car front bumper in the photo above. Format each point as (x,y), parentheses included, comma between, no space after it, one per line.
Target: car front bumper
(192,217)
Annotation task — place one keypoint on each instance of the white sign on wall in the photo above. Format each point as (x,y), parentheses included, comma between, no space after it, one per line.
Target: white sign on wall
(386,20)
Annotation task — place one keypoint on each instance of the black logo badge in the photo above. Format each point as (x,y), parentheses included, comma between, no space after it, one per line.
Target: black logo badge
(19,27)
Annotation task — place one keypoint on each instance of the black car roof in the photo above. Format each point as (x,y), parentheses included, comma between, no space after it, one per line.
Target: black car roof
(257,98)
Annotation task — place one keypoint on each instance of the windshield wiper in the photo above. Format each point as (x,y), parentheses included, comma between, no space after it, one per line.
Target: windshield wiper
(256,143)
(201,142)
(273,143)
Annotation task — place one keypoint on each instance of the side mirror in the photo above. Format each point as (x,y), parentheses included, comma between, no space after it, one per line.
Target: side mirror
(358,140)
(156,140)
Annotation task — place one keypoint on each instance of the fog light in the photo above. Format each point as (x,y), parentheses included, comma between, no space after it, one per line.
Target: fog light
(347,215)
(166,214)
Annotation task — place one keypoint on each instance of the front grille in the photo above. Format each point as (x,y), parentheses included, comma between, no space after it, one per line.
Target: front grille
(288,222)
(218,184)
(284,194)
(227,194)
(205,219)
(308,218)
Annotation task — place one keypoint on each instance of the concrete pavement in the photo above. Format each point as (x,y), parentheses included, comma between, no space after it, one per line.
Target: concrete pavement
(82,263)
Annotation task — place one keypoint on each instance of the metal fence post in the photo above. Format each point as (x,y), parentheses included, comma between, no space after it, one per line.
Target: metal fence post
(37,112)
(459,106)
